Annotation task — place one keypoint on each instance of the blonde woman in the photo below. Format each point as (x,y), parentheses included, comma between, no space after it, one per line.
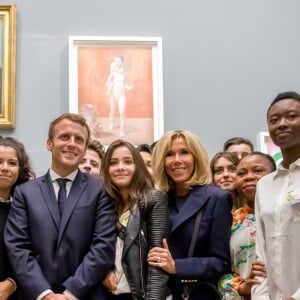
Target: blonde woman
(182,171)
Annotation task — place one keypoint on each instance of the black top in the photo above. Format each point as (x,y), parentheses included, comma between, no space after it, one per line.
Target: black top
(5,267)
(5,270)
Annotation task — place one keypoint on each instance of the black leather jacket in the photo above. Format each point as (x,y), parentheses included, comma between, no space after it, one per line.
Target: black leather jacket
(148,225)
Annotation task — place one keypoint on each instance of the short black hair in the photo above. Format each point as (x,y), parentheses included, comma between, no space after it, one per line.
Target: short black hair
(282,96)
(267,156)
(237,141)
(144,148)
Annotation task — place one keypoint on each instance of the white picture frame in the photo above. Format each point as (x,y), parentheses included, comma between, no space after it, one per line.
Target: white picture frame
(266,145)
(103,70)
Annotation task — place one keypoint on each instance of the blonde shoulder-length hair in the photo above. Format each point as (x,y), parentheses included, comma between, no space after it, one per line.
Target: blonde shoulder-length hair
(201,174)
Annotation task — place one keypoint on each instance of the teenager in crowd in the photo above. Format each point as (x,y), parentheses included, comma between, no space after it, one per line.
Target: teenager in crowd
(245,266)
(14,169)
(91,162)
(142,223)
(239,145)
(223,167)
(277,206)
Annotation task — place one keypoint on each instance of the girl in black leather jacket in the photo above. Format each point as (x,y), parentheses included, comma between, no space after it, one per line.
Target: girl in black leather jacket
(143,224)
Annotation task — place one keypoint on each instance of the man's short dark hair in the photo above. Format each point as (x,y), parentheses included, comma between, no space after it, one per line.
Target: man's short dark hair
(144,148)
(237,141)
(76,118)
(96,146)
(283,96)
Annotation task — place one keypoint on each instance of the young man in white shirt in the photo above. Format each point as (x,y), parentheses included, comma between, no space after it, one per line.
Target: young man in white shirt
(277,206)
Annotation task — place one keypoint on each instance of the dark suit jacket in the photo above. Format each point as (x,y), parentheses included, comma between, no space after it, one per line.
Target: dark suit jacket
(74,253)
(211,257)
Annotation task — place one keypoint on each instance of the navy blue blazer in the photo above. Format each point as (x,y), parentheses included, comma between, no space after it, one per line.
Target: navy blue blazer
(211,258)
(74,253)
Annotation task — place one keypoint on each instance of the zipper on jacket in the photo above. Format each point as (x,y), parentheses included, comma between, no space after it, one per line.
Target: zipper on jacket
(141,264)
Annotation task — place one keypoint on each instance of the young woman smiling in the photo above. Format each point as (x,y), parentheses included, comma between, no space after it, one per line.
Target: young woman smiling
(14,169)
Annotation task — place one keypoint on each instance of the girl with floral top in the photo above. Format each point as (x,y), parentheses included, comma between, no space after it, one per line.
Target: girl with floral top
(245,267)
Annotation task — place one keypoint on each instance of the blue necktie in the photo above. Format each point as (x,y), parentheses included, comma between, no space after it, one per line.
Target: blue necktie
(62,194)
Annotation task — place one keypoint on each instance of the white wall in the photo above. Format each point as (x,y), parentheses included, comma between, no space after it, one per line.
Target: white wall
(223,61)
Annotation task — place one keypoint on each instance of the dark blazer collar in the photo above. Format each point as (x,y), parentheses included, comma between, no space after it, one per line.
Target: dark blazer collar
(195,201)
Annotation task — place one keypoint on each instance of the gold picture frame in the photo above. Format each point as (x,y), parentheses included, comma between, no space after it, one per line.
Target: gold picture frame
(7,66)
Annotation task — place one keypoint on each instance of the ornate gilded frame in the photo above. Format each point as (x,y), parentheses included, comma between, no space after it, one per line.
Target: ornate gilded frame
(8,66)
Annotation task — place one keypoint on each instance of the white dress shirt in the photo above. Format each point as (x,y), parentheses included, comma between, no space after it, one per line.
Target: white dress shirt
(277,211)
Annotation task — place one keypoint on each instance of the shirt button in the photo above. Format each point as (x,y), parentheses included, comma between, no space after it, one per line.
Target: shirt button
(61,251)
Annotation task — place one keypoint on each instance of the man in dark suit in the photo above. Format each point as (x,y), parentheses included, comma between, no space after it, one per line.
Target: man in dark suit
(62,248)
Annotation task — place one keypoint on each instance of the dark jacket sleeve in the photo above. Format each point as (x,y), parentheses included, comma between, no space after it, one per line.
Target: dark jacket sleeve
(158,229)
(19,247)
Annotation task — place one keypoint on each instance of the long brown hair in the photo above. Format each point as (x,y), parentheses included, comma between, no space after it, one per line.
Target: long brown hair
(141,182)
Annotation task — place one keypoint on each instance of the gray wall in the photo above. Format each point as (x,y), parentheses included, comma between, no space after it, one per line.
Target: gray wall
(223,61)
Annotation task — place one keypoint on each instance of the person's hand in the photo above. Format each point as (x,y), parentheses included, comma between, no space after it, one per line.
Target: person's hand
(53,296)
(161,257)
(245,287)
(290,298)
(110,281)
(6,289)
(258,269)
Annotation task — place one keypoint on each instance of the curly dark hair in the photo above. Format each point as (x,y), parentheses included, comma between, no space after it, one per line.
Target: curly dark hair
(25,171)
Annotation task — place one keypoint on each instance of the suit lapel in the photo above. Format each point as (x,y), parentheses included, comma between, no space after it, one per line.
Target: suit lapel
(194,202)
(75,193)
(49,197)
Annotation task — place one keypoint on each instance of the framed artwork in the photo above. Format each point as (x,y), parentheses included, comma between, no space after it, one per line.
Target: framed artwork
(266,145)
(7,66)
(116,83)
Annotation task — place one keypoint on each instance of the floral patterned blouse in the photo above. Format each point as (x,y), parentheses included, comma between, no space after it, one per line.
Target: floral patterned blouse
(242,248)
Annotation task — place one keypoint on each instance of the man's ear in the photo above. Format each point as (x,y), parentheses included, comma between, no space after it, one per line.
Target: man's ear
(49,144)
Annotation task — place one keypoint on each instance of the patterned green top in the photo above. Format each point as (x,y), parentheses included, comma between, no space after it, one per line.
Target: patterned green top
(242,248)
